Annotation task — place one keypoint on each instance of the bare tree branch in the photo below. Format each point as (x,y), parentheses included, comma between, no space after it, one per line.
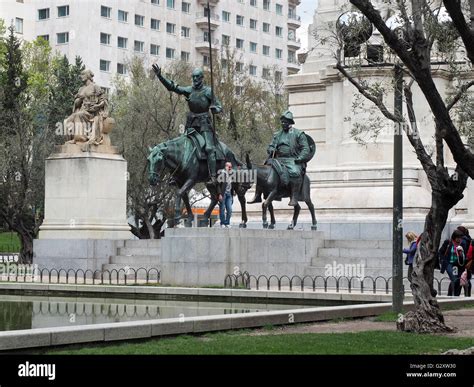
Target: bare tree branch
(467,35)
(363,90)
(416,61)
(464,88)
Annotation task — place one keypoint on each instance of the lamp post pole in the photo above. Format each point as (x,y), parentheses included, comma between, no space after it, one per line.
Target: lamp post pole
(397,235)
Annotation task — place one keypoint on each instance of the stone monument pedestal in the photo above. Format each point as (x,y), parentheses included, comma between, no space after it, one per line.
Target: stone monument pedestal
(203,257)
(85,196)
(85,208)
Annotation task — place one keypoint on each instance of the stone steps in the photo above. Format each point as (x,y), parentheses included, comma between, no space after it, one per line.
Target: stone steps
(143,243)
(137,251)
(358,244)
(135,260)
(136,254)
(343,252)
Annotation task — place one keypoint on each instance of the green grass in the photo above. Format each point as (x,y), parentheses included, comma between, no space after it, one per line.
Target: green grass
(392,316)
(233,343)
(9,241)
(386,317)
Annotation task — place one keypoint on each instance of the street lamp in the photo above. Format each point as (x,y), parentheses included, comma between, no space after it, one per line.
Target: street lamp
(355,29)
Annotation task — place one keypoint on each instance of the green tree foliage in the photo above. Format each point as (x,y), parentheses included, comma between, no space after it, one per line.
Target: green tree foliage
(27,131)
(146,114)
(67,81)
(252,106)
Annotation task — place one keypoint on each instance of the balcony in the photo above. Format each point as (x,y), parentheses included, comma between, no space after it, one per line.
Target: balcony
(202,44)
(201,21)
(294,43)
(294,2)
(294,21)
(212,3)
(292,66)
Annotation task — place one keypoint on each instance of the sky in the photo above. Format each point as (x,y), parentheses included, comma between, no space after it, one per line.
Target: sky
(306,11)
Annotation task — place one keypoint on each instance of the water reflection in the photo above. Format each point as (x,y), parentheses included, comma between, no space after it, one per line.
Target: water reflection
(15,315)
(27,312)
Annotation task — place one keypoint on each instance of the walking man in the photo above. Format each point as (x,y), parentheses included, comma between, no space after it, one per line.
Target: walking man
(225,194)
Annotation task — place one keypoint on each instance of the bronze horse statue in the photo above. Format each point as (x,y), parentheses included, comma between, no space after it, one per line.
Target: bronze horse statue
(182,160)
(179,158)
(269,185)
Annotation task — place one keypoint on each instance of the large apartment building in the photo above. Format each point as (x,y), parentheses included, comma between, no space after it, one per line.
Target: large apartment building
(107,33)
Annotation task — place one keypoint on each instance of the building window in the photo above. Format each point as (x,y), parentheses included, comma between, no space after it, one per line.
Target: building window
(266,27)
(291,56)
(239,20)
(279,9)
(105,11)
(266,5)
(266,73)
(169,53)
(105,65)
(205,60)
(155,2)
(239,43)
(291,12)
(185,56)
(253,3)
(278,76)
(239,67)
(170,28)
(122,42)
(226,16)
(253,47)
(185,32)
(225,40)
(44,37)
(43,14)
(104,38)
(224,64)
(122,69)
(155,24)
(154,49)
(63,11)
(122,16)
(253,24)
(62,37)
(139,20)
(239,90)
(18,25)
(170,4)
(253,70)
(278,53)
(185,7)
(266,50)
(279,31)
(138,46)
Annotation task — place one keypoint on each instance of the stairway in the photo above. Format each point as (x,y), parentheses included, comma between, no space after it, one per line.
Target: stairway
(374,257)
(136,254)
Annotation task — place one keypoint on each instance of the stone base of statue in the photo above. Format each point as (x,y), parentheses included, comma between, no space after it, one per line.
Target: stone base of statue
(85,207)
(204,257)
(85,194)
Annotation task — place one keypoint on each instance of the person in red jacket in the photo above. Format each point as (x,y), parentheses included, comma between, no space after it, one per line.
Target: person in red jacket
(468,267)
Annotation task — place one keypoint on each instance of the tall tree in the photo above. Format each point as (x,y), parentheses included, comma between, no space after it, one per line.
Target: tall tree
(27,136)
(420,37)
(67,82)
